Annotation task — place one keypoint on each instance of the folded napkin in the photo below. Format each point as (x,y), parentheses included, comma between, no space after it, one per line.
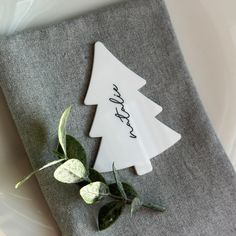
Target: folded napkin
(45,70)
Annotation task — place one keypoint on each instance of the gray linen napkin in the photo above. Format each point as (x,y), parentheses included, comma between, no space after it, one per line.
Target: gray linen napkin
(43,71)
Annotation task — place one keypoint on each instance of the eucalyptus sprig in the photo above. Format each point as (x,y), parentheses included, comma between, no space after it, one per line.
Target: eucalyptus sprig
(73,169)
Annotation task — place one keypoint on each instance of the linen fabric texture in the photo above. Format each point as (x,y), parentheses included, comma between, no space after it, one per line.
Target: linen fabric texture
(43,71)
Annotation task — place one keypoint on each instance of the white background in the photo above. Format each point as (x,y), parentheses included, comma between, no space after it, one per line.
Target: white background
(206,30)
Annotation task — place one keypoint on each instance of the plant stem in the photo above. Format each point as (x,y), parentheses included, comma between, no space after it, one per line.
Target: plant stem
(119,198)
(152,206)
(88,179)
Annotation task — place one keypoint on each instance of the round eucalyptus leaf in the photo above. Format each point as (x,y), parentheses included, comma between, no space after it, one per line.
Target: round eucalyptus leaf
(72,171)
(94,192)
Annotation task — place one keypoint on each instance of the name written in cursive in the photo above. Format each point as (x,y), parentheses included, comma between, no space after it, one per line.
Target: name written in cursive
(121,113)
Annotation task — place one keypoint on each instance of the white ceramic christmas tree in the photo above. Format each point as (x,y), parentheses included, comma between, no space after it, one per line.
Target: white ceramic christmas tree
(125,118)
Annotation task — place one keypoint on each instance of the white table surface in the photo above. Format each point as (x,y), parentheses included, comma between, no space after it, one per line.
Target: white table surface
(206,30)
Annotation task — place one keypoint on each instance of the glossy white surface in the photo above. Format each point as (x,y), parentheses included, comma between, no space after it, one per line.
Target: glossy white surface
(126,112)
(206,30)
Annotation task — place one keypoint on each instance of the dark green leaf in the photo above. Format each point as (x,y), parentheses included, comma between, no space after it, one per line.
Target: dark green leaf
(74,150)
(96,176)
(135,205)
(82,183)
(129,190)
(93,176)
(109,213)
(118,182)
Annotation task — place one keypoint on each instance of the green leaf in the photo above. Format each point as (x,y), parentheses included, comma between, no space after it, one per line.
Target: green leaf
(129,190)
(109,213)
(94,192)
(62,129)
(154,206)
(135,205)
(93,177)
(96,176)
(72,171)
(36,171)
(118,182)
(75,150)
